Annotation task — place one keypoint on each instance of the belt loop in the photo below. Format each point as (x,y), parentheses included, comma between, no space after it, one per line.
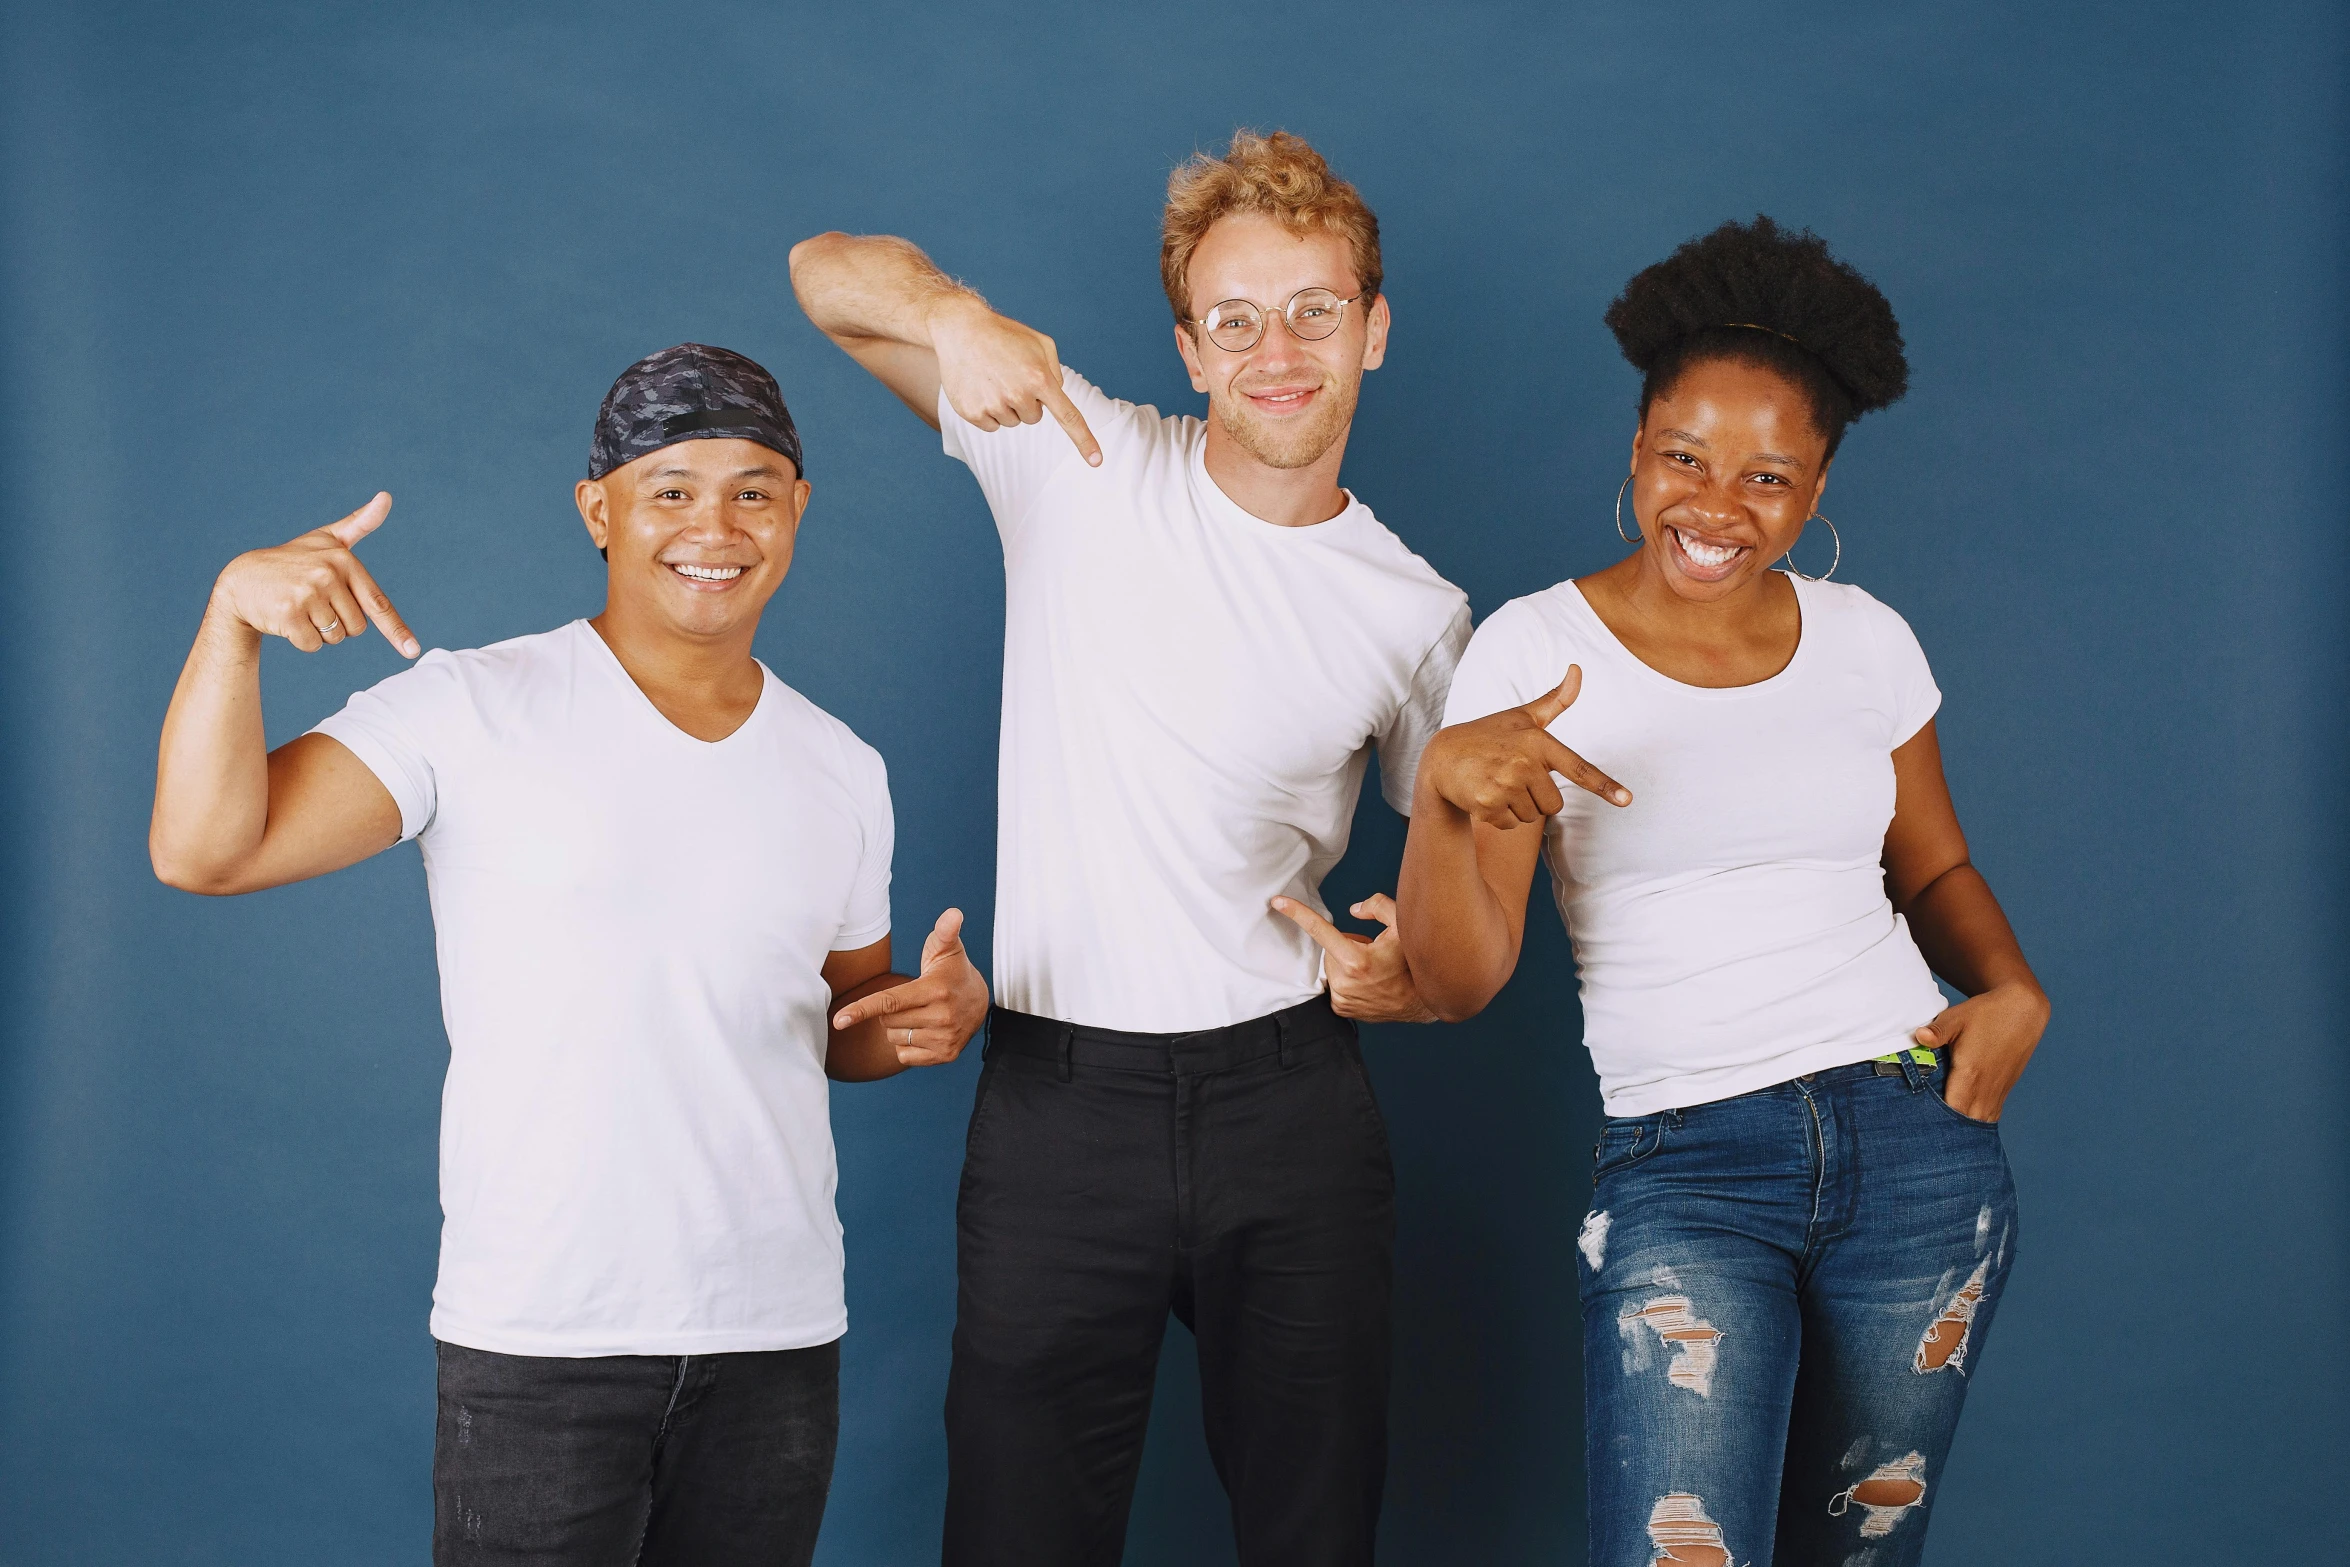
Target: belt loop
(1281,1038)
(1068,1051)
(1911,1073)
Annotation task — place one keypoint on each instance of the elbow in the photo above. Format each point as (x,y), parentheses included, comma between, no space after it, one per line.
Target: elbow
(188,873)
(1455,1003)
(808,250)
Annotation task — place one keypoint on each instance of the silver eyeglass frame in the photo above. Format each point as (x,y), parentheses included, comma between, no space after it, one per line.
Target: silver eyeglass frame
(1266,313)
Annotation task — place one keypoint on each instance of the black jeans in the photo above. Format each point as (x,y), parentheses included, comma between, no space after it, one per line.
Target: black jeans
(1238,1177)
(614,1460)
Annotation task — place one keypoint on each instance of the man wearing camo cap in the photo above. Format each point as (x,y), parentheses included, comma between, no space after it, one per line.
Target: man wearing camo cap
(660,893)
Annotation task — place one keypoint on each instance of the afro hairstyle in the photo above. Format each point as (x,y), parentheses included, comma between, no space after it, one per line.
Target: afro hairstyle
(1763,295)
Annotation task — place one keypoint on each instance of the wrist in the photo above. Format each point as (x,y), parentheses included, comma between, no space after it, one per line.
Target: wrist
(951,310)
(224,628)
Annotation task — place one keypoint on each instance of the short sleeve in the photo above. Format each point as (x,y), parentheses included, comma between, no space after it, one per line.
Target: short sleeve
(1421,714)
(1495,670)
(387,727)
(866,918)
(1910,679)
(1014,465)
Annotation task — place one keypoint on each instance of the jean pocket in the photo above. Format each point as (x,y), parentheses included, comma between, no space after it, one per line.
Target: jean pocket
(1626,1141)
(1934,1092)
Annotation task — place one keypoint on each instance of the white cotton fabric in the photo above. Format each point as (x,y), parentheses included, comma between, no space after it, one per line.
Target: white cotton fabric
(1731,925)
(636,1145)
(1190,696)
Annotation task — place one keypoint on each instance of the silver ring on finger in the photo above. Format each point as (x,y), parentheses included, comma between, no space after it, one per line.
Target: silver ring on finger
(333,628)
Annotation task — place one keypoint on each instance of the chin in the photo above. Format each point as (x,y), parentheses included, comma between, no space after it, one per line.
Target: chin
(1282,446)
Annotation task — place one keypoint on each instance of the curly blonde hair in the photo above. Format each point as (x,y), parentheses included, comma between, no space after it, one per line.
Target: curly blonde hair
(1279,175)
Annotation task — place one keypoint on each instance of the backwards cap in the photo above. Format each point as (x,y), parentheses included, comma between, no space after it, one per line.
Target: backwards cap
(689,393)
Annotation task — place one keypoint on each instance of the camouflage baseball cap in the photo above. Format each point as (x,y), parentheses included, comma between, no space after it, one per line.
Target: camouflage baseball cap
(692,392)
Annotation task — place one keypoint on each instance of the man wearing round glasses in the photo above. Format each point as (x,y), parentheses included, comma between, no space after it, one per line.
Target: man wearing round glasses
(1205,638)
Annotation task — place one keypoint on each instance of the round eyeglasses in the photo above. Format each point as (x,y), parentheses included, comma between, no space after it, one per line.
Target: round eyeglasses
(1238,325)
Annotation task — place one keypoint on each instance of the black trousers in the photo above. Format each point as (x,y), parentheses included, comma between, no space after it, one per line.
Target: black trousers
(1238,1178)
(616,1460)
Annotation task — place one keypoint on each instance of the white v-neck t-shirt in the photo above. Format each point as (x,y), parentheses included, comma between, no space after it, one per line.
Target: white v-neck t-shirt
(1190,696)
(636,1145)
(1730,925)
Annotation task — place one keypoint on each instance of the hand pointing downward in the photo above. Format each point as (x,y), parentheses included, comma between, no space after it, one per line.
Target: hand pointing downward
(932,1016)
(1498,768)
(312,590)
(1369,980)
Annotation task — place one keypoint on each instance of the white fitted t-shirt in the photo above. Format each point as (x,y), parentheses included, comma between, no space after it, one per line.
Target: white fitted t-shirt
(1190,695)
(1730,925)
(636,1144)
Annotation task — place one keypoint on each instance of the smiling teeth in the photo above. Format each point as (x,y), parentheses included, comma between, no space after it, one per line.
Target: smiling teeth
(709,573)
(1707,554)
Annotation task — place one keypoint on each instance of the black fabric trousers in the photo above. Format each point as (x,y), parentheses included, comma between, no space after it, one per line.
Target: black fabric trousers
(1238,1178)
(616,1460)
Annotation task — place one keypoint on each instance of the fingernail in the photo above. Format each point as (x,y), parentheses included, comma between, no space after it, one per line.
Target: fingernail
(1623,797)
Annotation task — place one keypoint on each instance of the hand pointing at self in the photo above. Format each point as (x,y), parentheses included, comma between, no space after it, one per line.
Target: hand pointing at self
(312,590)
(932,1016)
(1498,769)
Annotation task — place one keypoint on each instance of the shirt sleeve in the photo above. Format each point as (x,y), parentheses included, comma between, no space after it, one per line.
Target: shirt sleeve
(388,725)
(1910,678)
(866,919)
(1014,465)
(1421,714)
(1493,672)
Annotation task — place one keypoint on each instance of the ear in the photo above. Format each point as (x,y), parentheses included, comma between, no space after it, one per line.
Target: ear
(594,510)
(800,491)
(1375,324)
(1821,487)
(1190,352)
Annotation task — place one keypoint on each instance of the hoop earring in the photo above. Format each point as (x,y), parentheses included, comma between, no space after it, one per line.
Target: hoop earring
(1633,537)
(1788,559)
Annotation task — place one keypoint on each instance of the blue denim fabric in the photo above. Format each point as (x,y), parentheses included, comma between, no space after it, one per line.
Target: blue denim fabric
(1783,1295)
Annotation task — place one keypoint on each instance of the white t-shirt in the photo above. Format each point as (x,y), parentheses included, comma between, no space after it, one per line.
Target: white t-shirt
(636,1148)
(1190,694)
(1730,924)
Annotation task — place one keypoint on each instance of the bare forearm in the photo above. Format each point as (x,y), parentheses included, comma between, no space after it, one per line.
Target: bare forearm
(862,1053)
(212,770)
(1457,937)
(871,286)
(1964,935)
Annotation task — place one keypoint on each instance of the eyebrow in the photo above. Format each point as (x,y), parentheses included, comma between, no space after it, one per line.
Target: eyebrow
(1694,439)
(763,471)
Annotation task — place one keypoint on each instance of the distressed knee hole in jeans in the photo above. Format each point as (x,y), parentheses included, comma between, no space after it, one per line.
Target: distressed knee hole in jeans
(1682,1532)
(1885,1496)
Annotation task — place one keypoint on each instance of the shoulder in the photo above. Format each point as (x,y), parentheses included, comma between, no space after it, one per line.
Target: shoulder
(1402,575)
(1847,606)
(444,674)
(827,739)
(1139,425)
(1555,617)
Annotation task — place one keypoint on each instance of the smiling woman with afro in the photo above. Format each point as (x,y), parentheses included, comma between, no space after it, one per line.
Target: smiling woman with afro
(1801,1220)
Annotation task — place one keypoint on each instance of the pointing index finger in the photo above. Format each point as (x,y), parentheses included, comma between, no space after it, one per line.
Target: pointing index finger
(379,609)
(1326,935)
(1073,423)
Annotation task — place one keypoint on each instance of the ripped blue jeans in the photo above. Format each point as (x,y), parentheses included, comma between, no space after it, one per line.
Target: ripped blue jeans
(1783,1296)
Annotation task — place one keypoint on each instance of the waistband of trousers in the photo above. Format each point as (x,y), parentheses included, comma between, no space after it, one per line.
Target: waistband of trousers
(1310,1027)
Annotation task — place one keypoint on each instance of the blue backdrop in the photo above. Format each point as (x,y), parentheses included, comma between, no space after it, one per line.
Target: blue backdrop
(262,260)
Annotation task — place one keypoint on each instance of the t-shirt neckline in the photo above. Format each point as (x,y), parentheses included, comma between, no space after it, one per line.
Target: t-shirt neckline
(1783,676)
(1234,512)
(619,671)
